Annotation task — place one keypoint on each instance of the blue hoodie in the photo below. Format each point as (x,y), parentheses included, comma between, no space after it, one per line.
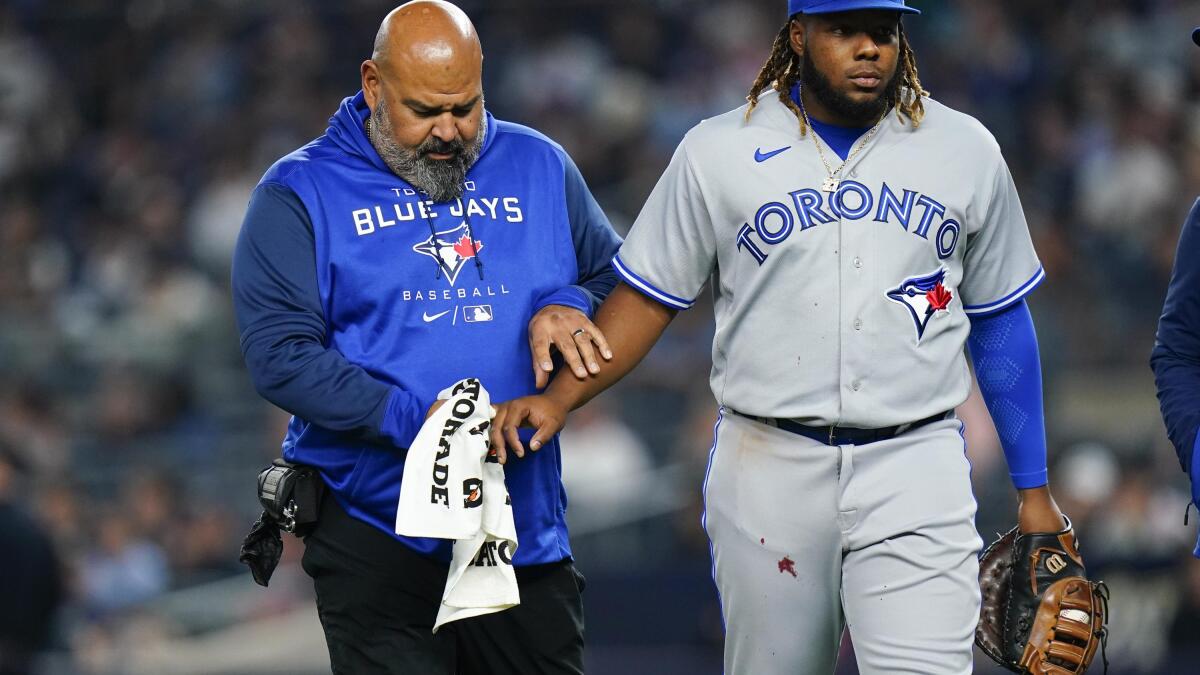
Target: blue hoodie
(358,301)
(1176,355)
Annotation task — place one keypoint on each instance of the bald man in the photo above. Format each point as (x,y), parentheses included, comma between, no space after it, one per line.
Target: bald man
(417,242)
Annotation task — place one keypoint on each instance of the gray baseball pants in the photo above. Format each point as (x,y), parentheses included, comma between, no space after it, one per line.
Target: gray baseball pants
(809,539)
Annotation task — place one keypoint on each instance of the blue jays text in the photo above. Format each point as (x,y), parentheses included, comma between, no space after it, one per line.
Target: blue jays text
(775,221)
(373,218)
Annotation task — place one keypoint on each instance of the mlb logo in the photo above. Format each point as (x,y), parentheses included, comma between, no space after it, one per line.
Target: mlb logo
(477,313)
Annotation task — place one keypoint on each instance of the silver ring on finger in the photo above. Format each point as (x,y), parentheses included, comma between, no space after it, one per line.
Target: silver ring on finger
(578,332)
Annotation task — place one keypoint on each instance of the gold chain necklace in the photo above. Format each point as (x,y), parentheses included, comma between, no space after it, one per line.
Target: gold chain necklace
(833,179)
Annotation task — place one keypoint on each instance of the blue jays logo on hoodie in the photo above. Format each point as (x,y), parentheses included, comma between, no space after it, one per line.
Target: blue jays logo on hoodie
(451,249)
(923,297)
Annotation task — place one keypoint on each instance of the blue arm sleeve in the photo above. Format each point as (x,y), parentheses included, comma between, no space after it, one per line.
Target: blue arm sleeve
(282,326)
(1004,351)
(1176,355)
(595,245)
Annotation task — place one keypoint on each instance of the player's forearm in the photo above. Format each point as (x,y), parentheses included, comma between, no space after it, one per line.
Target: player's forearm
(1008,367)
(632,323)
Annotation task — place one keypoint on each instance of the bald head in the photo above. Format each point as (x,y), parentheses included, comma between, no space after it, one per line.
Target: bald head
(424,86)
(426,33)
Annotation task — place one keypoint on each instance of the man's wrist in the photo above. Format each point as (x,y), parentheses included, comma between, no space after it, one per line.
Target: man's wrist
(563,394)
(570,297)
(1038,512)
(1036,496)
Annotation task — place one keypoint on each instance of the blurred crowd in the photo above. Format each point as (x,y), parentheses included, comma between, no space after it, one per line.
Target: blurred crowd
(131,134)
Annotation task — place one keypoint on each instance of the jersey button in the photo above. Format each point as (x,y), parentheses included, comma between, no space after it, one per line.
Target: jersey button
(858,324)
(857,262)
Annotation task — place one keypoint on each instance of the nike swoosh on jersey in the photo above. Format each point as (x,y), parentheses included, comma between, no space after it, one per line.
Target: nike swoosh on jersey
(435,317)
(760,156)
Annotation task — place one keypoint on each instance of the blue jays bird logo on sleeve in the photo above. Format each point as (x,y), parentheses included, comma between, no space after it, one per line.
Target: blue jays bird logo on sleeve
(923,297)
(451,249)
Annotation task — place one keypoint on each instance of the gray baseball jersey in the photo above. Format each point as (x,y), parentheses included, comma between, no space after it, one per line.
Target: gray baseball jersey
(848,307)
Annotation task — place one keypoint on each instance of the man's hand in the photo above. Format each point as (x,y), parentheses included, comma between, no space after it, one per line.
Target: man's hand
(433,408)
(633,319)
(540,412)
(573,334)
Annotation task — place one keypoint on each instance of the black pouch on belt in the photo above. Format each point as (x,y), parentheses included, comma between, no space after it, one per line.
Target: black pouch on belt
(290,495)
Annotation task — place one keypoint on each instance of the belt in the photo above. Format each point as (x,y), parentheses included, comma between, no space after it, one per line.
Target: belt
(835,435)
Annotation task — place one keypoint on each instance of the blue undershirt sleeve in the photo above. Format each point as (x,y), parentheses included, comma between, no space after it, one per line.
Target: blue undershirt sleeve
(1004,351)
(283,331)
(595,245)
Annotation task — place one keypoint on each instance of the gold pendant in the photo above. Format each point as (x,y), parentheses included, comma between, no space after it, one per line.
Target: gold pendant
(830,185)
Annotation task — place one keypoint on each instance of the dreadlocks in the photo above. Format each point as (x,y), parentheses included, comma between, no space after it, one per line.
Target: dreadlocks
(783,69)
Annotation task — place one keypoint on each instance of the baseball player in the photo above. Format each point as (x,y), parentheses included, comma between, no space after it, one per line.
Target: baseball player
(1176,356)
(858,235)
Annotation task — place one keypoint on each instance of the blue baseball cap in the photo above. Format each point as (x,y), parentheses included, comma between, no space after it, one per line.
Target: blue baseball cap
(832,6)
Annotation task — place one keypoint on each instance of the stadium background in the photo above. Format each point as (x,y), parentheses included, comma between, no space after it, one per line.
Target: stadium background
(132,132)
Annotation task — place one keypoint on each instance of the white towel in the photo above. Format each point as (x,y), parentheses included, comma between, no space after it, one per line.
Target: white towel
(453,488)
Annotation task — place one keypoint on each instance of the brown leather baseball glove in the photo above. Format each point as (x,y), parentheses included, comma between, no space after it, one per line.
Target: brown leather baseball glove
(1040,612)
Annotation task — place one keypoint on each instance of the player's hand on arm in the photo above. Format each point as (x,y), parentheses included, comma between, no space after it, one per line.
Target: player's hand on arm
(633,322)
(569,331)
(542,412)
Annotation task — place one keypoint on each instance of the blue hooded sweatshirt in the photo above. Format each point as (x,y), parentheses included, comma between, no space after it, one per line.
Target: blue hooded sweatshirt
(358,300)
(1176,355)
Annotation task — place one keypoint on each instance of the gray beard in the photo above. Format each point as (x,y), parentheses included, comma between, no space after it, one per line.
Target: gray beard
(440,179)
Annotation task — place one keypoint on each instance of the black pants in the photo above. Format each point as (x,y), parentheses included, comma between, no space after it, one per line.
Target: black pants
(378,599)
